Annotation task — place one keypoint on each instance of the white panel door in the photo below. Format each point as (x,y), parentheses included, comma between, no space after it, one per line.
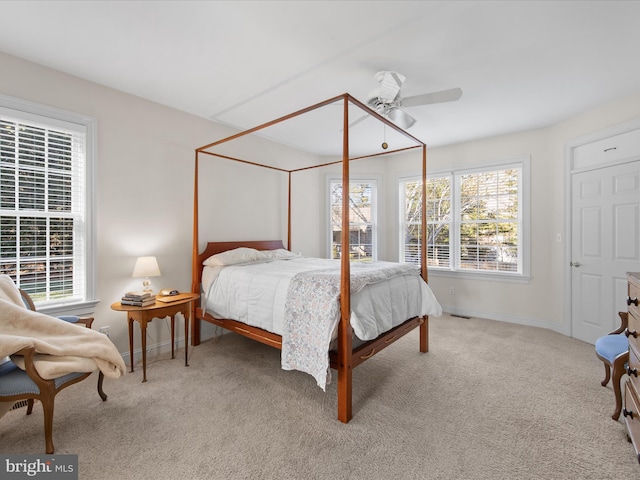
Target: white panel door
(605,245)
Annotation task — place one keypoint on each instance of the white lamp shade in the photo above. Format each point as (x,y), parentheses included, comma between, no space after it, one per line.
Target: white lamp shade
(146,267)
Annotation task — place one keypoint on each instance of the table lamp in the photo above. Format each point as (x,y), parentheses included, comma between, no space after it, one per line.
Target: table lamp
(146,267)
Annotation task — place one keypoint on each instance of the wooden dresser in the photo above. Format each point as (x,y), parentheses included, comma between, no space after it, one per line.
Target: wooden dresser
(631,409)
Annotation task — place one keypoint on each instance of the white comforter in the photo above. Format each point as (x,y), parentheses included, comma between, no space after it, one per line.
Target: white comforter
(298,298)
(256,293)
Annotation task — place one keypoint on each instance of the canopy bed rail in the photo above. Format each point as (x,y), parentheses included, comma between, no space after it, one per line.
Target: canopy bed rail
(369,349)
(345,356)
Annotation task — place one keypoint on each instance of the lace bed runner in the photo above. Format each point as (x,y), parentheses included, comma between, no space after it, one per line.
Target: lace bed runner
(312,313)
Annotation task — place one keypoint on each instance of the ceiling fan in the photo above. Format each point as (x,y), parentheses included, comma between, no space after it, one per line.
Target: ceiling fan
(387,101)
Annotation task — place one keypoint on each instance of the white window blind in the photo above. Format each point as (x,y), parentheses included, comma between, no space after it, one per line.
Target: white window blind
(489,217)
(42,206)
(475,220)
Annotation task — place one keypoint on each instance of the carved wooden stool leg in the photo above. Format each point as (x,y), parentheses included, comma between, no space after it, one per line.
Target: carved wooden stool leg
(618,371)
(607,375)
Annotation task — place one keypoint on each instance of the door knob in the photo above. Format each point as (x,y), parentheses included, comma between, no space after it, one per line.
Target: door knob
(575,264)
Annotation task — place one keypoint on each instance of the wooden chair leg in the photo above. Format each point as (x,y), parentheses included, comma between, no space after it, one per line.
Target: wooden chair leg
(47,407)
(29,406)
(103,395)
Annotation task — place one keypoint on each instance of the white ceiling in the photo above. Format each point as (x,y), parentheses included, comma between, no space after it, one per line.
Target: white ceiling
(521,64)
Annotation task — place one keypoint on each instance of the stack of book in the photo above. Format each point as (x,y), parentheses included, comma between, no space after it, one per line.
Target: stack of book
(138,299)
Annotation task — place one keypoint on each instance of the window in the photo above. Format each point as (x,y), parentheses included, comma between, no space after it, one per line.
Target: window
(475,220)
(362,218)
(438,213)
(45,234)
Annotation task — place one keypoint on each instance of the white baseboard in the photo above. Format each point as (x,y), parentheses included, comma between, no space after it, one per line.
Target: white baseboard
(531,322)
(207,331)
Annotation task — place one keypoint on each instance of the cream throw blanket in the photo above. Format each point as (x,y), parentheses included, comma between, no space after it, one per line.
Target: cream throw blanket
(61,347)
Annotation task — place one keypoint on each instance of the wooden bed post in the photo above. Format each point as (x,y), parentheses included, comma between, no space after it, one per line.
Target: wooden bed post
(195,282)
(424,326)
(344,359)
(344,329)
(289,216)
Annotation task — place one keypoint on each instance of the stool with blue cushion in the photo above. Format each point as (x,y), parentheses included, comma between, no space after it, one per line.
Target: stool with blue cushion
(613,350)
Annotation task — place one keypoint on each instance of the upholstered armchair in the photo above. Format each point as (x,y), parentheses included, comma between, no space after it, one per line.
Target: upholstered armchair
(17,384)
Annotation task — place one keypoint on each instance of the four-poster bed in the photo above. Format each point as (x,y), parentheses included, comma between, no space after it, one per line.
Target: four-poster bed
(348,352)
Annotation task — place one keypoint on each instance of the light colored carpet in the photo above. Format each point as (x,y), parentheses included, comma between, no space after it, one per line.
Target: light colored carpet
(490,400)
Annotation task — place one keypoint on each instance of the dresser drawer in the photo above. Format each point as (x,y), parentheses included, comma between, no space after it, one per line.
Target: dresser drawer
(631,414)
(634,293)
(633,330)
(634,368)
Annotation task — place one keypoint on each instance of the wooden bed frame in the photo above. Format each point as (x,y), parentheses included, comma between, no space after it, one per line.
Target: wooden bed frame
(346,357)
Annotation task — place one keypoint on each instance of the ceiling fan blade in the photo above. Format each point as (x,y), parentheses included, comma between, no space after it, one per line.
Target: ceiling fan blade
(450,95)
(355,122)
(401,118)
(390,83)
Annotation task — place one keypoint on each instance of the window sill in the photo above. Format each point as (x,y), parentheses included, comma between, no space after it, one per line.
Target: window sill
(494,277)
(79,309)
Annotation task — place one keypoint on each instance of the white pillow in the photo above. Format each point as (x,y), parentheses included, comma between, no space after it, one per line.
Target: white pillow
(281,254)
(235,256)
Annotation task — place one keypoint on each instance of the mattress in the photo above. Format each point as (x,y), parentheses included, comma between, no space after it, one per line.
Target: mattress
(255,293)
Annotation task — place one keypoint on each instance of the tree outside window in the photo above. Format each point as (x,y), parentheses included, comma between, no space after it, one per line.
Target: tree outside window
(362,219)
(489,223)
(474,220)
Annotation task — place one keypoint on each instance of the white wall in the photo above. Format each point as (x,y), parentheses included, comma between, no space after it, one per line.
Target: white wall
(541,301)
(144,187)
(144,191)
(310,220)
